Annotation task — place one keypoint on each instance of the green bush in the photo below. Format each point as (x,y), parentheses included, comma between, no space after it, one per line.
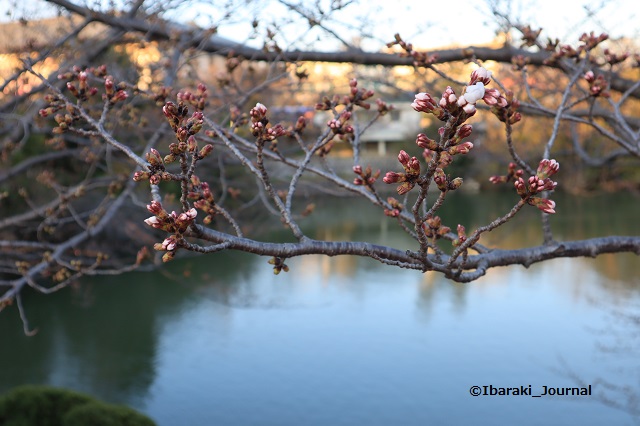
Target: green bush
(46,406)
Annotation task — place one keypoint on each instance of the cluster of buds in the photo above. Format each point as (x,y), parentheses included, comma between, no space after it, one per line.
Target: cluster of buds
(356,97)
(78,83)
(447,148)
(201,193)
(185,129)
(260,127)
(613,58)
(433,227)
(174,223)
(597,85)
(278,265)
(198,100)
(535,184)
(588,43)
(509,112)
(462,236)
(420,59)
(156,172)
(444,182)
(54,104)
(82,91)
(476,91)
(396,207)
(512,173)
(182,126)
(451,104)
(64,121)
(340,125)
(365,176)
(530,36)
(591,40)
(113,93)
(383,107)
(539,183)
(407,179)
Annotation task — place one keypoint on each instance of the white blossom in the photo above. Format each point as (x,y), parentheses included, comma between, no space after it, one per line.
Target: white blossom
(474,93)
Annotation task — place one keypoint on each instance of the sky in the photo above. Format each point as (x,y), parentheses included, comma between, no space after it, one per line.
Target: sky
(426,23)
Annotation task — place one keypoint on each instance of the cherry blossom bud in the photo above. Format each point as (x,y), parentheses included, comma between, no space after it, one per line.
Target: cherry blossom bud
(206,150)
(423,141)
(154,158)
(404,188)
(493,97)
(546,205)
(140,175)
(108,87)
(258,112)
(440,179)
(455,183)
(393,177)
(424,103)
(403,158)
(463,148)
(120,95)
(463,131)
(168,256)
(520,186)
(413,167)
(72,88)
(153,222)
(155,207)
(300,124)
(192,144)
(480,75)
(547,168)
(470,109)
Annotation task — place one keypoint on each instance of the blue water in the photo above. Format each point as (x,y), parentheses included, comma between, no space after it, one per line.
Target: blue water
(343,341)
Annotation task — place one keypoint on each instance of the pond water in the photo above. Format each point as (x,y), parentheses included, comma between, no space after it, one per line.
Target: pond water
(220,340)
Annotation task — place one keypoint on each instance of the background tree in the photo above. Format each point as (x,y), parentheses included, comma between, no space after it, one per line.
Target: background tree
(94,133)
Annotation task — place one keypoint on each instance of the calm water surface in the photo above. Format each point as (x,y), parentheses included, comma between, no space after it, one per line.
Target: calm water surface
(348,341)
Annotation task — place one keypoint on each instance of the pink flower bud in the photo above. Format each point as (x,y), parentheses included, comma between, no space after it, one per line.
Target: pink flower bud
(480,75)
(440,179)
(403,158)
(590,76)
(424,103)
(393,177)
(470,109)
(546,205)
(206,150)
(258,112)
(423,141)
(155,207)
(547,168)
(153,222)
(461,149)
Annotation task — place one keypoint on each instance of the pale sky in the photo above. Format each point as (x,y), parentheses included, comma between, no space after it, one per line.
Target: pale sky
(426,23)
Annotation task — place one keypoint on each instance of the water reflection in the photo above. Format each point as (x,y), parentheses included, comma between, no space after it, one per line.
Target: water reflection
(338,340)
